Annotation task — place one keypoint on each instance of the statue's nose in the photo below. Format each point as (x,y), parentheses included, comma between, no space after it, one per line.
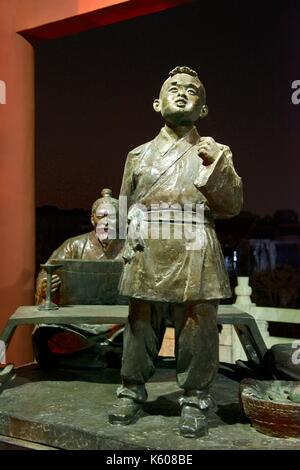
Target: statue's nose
(181,92)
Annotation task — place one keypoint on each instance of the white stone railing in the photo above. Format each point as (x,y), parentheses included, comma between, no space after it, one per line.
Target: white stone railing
(230,346)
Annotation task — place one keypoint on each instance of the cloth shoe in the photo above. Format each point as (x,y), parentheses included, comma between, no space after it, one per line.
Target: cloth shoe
(193,421)
(125,411)
(195,408)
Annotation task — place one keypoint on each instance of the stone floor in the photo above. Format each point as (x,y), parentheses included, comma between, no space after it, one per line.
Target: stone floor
(68,410)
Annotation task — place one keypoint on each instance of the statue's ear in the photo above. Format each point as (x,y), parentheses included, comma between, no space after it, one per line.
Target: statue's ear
(93,222)
(204,111)
(156,105)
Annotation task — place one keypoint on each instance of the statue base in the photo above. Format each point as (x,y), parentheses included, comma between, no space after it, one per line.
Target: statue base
(67,409)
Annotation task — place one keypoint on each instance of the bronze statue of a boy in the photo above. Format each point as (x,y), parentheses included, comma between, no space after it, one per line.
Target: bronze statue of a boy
(171,278)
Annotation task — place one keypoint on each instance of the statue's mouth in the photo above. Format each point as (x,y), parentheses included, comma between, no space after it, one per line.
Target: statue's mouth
(181,103)
(102,229)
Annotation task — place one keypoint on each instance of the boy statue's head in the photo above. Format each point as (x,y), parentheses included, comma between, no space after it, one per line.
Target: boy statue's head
(182,98)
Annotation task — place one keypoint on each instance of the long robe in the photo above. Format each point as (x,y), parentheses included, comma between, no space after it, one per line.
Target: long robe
(53,342)
(85,247)
(169,171)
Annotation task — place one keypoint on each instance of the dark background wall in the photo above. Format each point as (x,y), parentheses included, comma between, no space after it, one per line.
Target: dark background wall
(94,94)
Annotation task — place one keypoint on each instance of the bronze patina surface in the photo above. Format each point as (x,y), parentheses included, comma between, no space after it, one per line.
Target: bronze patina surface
(89,270)
(175,186)
(69,411)
(92,246)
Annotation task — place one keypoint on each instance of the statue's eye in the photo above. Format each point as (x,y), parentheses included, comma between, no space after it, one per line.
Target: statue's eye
(173,89)
(191,91)
(101,215)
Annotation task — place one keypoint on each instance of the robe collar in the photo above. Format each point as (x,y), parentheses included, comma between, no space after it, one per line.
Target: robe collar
(164,140)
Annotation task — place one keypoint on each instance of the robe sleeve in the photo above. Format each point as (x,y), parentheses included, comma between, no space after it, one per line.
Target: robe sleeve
(68,250)
(128,182)
(221,185)
(127,187)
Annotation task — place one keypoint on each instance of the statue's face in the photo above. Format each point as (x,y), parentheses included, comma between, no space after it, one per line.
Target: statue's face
(104,221)
(180,101)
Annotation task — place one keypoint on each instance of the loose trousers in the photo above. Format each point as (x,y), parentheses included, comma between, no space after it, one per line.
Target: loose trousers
(196,344)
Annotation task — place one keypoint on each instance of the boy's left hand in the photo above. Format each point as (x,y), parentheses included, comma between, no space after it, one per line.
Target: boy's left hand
(208,150)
